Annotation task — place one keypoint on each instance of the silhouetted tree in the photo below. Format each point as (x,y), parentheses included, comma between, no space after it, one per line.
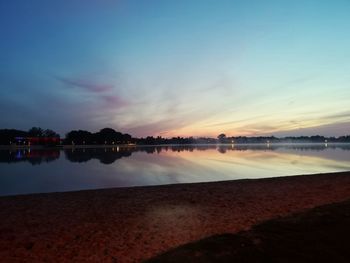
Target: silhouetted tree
(50,133)
(108,136)
(8,136)
(104,136)
(222,138)
(126,138)
(79,137)
(36,132)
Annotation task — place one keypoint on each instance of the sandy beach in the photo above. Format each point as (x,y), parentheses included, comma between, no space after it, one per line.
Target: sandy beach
(136,224)
(320,234)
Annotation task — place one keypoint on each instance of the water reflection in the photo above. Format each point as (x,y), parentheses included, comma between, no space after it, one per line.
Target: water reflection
(109,155)
(35,157)
(91,168)
(104,155)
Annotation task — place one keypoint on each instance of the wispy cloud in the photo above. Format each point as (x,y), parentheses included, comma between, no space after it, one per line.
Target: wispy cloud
(86,85)
(115,101)
(339,115)
(105,95)
(332,129)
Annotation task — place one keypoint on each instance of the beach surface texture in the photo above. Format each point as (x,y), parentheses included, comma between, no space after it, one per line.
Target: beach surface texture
(320,234)
(139,223)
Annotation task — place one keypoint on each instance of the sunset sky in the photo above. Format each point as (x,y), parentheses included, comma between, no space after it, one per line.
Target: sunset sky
(170,68)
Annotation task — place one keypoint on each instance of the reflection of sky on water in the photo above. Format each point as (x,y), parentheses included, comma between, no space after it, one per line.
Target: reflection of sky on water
(36,171)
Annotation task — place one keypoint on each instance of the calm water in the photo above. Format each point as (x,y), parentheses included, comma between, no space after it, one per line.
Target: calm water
(52,170)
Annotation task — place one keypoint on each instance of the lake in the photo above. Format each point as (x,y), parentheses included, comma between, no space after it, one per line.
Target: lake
(24,171)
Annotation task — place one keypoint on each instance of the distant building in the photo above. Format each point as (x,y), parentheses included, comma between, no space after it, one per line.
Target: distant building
(37,140)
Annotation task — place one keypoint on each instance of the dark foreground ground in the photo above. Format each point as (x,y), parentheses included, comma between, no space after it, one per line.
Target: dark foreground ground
(318,235)
(136,224)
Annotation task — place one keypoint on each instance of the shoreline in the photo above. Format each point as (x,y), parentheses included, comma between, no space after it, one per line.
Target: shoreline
(81,146)
(154,187)
(138,223)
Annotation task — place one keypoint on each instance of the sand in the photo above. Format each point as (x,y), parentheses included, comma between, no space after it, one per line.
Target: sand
(320,234)
(135,224)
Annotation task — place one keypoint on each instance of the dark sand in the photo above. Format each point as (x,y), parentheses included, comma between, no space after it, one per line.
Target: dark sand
(319,235)
(134,224)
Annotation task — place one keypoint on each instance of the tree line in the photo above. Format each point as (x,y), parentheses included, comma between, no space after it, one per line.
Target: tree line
(37,135)
(222,138)
(104,136)
(109,136)
(13,136)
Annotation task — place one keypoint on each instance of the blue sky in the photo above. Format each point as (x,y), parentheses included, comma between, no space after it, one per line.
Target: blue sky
(176,67)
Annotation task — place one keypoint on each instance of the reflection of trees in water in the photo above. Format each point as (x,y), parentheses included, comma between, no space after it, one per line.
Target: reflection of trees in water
(343,147)
(274,147)
(320,147)
(26,155)
(110,155)
(245,147)
(104,155)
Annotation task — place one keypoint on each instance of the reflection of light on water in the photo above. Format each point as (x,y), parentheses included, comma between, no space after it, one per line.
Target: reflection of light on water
(178,164)
(19,155)
(258,163)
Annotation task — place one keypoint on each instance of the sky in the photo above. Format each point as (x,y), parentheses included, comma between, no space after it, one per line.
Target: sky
(176,68)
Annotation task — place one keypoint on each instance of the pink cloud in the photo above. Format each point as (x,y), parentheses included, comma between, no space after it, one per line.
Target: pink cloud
(86,85)
(103,94)
(115,101)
